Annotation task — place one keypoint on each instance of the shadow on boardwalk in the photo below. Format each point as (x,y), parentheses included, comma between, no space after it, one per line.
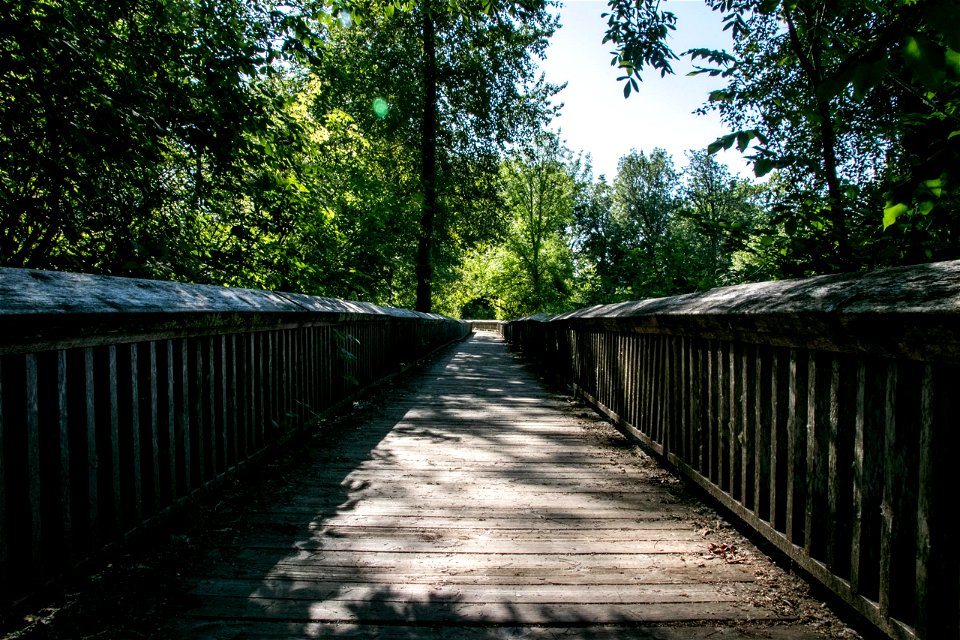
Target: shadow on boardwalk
(465,502)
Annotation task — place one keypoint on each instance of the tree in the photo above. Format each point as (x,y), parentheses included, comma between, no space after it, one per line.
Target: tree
(595,241)
(538,184)
(122,124)
(644,205)
(718,217)
(833,94)
(477,93)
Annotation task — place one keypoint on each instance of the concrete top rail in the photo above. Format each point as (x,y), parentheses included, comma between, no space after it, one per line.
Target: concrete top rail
(911,312)
(48,309)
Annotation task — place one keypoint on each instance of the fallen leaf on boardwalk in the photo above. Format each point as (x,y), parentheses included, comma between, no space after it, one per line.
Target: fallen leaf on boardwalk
(726,551)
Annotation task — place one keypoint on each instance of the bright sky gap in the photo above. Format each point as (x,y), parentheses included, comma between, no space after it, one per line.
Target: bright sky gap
(598,120)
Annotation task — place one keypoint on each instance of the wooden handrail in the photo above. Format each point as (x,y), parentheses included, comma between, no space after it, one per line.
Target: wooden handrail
(121,398)
(821,412)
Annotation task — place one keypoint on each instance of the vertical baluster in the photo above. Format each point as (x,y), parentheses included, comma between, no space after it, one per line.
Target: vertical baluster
(114,441)
(668,387)
(154,426)
(65,493)
(93,461)
(246,425)
(648,375)
(657,373)
(835,477)
(887,509)
(792,430)
(134,427)
(632,377)
(186,429)
(210,367)
(745,435)
(271,390)
(686,399)
(224,404)
(860,488)
(762,382)
(732,419)
(171,423)
(199,425)
(233,406)
(713,411)
(814,469)
(937,564)
(260,365)
(32,466)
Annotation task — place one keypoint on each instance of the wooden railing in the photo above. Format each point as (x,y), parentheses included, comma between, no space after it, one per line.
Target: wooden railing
(121,398)
(824,413)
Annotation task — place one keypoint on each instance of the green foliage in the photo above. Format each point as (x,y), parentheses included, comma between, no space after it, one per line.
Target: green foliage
(257,143)
(853,106)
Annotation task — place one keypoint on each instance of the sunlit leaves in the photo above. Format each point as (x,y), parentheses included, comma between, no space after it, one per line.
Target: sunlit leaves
(639,30)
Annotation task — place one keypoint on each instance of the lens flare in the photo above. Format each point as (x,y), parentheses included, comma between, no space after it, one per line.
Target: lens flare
(380,108)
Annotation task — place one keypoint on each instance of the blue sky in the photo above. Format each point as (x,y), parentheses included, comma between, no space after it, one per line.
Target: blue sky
(597,119)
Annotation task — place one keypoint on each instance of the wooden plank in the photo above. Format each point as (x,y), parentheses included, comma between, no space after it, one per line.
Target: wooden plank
(763,385)
(405,569)
(417,567)
(813,471)
(224,405)
(476,520)
(32,468)
(271,630)
(835,476)
(860,490)
(65,490)
(888,521)
(210,409)
(465,593)
(391,608)
(134,428)
(793,438)
(154,428)
(184,428)
(93,460)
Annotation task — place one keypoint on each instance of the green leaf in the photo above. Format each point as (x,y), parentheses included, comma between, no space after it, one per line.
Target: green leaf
(892,212)
(953,60)
(867,76)
(763,166)
(934,186)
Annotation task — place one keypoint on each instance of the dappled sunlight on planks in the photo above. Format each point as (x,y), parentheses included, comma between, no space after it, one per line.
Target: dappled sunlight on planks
(478,503)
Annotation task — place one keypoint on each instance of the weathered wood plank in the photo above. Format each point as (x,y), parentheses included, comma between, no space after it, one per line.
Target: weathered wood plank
(268,630)
(444,609)
(32,462)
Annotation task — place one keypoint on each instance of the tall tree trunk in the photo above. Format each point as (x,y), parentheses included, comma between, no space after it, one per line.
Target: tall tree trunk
(428,162)
(808,55)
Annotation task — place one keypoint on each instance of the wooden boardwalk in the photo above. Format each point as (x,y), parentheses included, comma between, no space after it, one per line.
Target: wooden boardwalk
(479,505)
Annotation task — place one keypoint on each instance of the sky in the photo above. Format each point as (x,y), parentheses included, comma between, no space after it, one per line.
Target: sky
(598,120)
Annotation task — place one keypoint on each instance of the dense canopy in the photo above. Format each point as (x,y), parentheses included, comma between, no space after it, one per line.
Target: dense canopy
(402,152)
